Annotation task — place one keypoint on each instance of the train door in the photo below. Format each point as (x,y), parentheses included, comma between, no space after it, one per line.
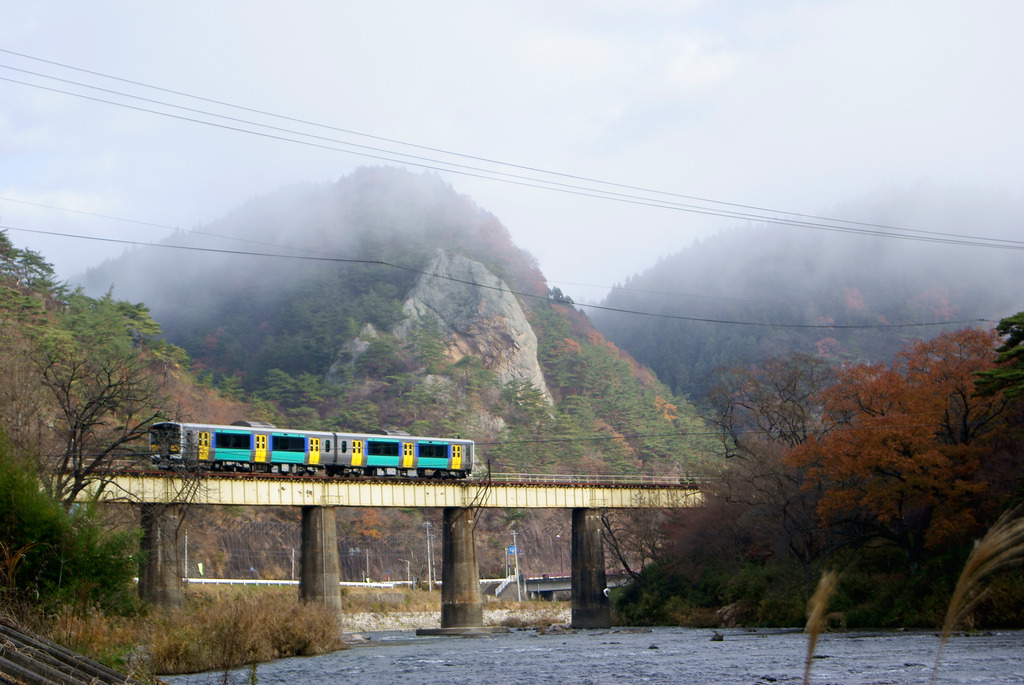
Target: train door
(204,445)
(314,450)
(261,448)
(408,454)
(357,453)
(456,457)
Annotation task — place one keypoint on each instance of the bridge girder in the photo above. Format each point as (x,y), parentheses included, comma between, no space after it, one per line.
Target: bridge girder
(324,492)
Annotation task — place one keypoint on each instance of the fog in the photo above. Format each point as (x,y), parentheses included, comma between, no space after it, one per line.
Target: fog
(794,106)
(750,293)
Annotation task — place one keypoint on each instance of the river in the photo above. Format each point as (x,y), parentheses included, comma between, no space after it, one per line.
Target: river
(657,656)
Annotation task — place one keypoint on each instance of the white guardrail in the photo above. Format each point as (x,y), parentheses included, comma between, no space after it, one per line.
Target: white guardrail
(343,583)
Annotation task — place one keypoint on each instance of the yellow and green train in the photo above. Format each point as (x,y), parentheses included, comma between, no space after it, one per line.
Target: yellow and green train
(263,448)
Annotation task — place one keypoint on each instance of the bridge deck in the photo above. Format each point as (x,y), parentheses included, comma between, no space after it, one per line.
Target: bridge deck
(291,492)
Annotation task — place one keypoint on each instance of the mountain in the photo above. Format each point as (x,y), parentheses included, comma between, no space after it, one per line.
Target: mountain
(387,300)
(850,296)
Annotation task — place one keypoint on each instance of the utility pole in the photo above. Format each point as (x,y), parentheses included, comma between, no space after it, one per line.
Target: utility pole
(515,553)
(292,577)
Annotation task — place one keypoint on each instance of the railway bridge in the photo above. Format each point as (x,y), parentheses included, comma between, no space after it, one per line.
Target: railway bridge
(164,499)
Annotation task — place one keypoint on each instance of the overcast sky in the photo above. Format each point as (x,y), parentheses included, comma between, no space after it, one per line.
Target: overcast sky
(792,105)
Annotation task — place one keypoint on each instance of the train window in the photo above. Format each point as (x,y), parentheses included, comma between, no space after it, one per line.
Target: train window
(344,445)
(288,443)
(378,448)
(231,441)
(327,445)
(433,450)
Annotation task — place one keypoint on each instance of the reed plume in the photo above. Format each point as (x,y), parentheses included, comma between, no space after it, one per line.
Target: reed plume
(816,616)
(1002,547)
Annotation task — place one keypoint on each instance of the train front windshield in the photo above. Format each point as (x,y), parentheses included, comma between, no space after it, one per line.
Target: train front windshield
(164,439)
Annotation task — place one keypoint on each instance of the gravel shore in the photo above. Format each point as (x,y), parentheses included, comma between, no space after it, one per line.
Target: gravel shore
(373,622)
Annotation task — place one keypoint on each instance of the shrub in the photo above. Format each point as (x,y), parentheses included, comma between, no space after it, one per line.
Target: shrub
(239,630)
(56,557)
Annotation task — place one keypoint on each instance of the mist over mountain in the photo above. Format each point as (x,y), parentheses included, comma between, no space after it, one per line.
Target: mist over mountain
(351,247)
(755,292)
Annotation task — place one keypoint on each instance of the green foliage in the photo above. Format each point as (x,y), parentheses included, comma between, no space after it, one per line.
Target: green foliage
(473,375)
(27,270)
(428,345)
(66,558)
(1008,377)
(381,358)
(361,415)
(28,287)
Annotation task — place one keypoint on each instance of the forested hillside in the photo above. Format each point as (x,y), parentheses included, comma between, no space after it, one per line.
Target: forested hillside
(753,293)
(334,264)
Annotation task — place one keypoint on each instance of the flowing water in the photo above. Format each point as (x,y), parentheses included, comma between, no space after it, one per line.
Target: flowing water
(661,655)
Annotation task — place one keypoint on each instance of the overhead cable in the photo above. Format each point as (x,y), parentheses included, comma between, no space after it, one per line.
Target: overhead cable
(718,208)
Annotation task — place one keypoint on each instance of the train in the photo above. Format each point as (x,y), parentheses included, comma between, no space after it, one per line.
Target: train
(255,447)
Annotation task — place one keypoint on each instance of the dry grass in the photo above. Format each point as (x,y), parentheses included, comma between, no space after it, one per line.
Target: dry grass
(816,616)
(1002,547)
(372,600)
(219,629)
(241,629)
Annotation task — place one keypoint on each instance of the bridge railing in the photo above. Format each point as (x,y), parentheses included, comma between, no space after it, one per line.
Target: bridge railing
(574,479)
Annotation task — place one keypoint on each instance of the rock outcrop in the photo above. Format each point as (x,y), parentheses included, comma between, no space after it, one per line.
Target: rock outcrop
(477,315)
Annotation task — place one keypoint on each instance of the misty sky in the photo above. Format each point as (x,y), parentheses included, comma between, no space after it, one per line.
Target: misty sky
(793,105)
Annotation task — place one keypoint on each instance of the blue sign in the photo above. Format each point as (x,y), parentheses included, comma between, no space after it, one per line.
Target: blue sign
(511,549)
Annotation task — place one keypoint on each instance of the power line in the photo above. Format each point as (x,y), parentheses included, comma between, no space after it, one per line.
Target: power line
(145,223)
(425,147)
(704,434)
(803,220)
(380,262)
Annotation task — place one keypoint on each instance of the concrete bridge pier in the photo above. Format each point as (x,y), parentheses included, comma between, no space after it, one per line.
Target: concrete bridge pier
(461,601)
(590,606)
(162,566)
(320,572)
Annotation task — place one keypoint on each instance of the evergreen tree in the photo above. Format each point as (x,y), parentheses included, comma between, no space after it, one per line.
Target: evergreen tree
(1008,376)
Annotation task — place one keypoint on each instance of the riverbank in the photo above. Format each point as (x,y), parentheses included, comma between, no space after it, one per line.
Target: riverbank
(511,615)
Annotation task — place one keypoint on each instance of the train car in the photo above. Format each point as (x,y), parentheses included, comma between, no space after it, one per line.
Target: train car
(264,448)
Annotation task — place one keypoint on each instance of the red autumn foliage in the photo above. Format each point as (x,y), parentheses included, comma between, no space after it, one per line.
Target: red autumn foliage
(905,445)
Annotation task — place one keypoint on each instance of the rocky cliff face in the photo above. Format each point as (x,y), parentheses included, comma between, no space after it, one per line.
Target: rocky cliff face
(477,315)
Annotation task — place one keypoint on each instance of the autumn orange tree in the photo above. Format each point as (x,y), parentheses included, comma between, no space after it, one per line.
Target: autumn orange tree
(904,445)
